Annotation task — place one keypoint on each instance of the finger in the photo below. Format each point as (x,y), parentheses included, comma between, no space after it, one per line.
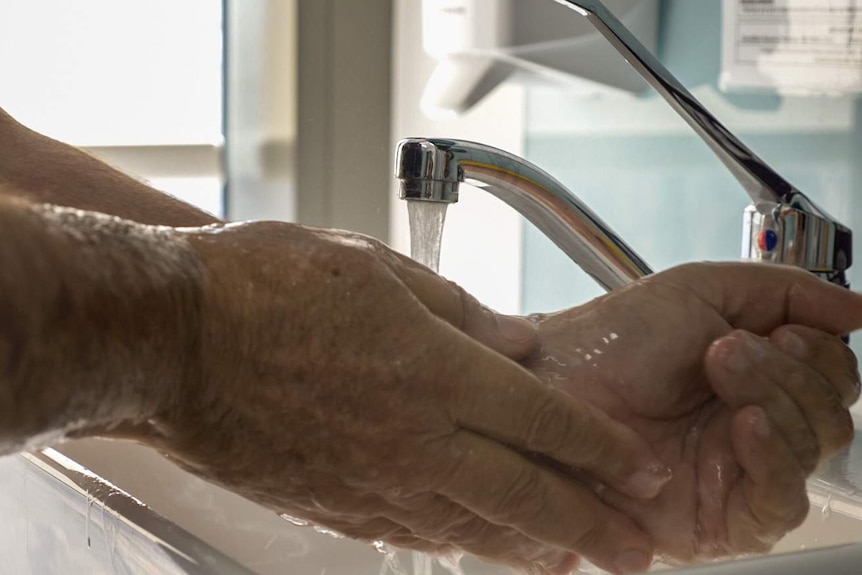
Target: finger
(825,353)
(512,336)
(505,488)
(746,369)
(772,499)
(430,523)
(761,297)
(434,517)
(506,403)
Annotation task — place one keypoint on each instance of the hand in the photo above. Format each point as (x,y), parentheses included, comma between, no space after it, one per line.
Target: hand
(335,387)
(698,361)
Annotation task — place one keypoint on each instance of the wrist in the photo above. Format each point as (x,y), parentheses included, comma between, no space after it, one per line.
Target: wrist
(103,316)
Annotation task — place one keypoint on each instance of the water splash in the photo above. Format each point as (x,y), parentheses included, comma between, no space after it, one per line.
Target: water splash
(827,509)
(426,231)
(330,532)
(294,520)
(589,569)
(422,564)
(391,564)
(451,562)
(90,502)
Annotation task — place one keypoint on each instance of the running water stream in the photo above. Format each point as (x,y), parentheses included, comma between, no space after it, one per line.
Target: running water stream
(426,233)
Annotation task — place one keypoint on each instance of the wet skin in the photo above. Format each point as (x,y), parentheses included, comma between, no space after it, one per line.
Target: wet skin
(741,407)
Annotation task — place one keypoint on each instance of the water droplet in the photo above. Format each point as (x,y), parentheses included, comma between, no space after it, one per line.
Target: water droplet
(827,508)
(90,502)
(294,520)
(329,532)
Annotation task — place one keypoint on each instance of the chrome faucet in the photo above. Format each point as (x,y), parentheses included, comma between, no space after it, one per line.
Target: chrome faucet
(782,225)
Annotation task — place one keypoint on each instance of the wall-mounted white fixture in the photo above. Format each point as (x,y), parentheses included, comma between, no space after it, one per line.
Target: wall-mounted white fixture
(480,43)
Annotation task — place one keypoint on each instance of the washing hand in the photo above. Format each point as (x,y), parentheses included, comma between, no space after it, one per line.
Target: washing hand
(734,377)
(337,381)
(333,391)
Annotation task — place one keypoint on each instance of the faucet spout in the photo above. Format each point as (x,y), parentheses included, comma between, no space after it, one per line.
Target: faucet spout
(432,169)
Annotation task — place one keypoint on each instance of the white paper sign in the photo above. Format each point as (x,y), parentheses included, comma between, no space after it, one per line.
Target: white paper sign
(792,46)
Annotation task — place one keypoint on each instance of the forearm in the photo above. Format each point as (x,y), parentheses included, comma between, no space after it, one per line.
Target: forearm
(99,321)
(42,170)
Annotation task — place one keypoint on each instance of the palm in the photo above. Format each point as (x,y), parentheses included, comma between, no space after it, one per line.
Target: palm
(606,353)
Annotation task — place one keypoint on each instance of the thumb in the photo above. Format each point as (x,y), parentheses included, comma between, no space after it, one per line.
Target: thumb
(512,336)
(761,297)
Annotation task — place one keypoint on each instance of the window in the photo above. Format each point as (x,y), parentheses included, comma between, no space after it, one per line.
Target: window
(138,83)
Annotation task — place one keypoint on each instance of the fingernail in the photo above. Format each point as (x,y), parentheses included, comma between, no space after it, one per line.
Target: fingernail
(516,329)
(747,349)
(633,561)
(761,426)
(647,483)
(792,344)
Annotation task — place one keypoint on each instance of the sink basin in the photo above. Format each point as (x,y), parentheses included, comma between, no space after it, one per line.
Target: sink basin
(191,526)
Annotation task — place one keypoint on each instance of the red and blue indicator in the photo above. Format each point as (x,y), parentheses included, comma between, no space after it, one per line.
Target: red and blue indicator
(767,240)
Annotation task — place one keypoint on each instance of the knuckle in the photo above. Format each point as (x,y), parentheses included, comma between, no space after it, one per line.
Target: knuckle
(792,515)
(525,499)
(852,375)
(842,429)
(593,535)
(783,516)
(448,469)
(460,306)
(809,454)
(478,533)
(445,523)
(802,509)
(551,427)
(849,357)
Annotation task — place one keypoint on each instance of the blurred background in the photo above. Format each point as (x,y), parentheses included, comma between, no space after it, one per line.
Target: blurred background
(290,110)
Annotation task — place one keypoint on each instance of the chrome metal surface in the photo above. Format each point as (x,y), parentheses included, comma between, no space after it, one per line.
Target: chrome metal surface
(826,244)
(798,238)
(431,170)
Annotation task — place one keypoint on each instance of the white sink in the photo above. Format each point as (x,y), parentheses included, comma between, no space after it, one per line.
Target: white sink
(263,543)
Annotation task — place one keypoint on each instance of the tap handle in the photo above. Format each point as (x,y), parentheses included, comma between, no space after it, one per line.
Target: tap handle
(760,181)
(807,236)
(781,233)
